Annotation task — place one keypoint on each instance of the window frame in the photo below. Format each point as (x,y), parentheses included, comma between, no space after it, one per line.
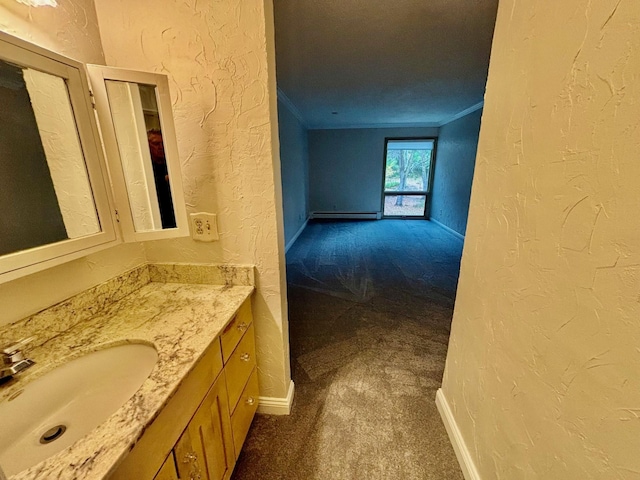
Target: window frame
(427,194)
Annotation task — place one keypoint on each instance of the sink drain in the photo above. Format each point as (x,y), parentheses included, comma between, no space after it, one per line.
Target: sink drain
(53,434)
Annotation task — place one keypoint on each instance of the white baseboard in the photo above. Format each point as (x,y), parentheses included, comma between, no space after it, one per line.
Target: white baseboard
(295,237)
(465,460)
(277,405)
(347,215)
(450,230)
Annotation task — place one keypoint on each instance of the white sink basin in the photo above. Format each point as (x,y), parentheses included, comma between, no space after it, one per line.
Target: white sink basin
(65,404)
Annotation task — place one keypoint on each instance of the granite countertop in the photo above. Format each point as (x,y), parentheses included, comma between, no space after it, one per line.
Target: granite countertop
(179,319)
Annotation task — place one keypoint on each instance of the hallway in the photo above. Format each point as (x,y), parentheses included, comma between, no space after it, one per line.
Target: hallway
(370,305)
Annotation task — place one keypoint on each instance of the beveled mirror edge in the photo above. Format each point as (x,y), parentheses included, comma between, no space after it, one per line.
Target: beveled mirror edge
(25,262)
(98,75)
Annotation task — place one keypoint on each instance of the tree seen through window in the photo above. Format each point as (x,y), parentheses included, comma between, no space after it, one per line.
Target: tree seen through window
(407,170)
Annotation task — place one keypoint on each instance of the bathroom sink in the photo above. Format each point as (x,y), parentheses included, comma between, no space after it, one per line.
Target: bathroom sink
(65,404)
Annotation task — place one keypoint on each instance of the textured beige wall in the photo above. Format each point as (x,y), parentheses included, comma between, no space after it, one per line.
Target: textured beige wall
(223,93)
(543,370)
(70,29)
(130,128)
(63,152)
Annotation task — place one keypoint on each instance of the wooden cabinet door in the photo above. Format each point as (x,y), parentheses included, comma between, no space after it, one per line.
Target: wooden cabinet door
(205,449)
(168,470)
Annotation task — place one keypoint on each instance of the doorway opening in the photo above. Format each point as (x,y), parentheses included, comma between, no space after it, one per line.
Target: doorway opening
(408,172)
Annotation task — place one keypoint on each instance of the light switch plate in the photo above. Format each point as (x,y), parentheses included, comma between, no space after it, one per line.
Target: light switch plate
(204,226)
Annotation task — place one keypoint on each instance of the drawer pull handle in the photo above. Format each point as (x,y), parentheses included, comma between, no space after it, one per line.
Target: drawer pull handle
(242,326)
(251,401)
(245,357)
(191,457)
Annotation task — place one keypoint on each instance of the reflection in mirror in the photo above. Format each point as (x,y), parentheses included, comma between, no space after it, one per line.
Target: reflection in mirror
(45,192)
(136,121)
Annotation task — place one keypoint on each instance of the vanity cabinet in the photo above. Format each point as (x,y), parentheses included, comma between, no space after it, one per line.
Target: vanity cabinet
(168,470)
(198,435)
(205,449)
(239,354)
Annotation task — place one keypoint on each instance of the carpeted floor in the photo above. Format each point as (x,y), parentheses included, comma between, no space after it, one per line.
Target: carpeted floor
(370,306)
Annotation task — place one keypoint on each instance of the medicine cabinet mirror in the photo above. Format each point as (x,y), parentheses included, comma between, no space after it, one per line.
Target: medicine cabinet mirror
(134,110)
(54,188)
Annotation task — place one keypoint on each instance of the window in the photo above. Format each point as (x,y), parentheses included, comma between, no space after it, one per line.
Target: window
(407,177)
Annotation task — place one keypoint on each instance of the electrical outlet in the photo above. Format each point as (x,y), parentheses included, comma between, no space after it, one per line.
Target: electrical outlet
(204,227)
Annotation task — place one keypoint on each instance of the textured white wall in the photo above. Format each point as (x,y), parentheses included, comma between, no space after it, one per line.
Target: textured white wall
(56,124)
(543,369)
(133,145)
(71,29)
(224,104)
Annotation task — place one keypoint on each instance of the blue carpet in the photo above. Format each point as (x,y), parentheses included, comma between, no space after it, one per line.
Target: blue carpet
(370,306)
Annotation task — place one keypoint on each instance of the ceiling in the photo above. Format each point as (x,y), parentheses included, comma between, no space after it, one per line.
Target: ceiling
(382,62)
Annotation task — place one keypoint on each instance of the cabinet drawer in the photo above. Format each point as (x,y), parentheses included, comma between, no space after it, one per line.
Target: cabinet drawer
(240,366)
(235,330)
(245,410)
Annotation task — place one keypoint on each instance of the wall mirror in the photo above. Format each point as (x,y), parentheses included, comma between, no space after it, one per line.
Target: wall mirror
(53,185)
(134,110)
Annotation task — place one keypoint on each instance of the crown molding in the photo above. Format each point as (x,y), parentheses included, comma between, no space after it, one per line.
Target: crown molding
(374,125)
(292,108)
(463,113)
(296,113)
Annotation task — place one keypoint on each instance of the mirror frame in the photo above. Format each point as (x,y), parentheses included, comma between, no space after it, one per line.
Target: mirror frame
(18,264)
(98,75)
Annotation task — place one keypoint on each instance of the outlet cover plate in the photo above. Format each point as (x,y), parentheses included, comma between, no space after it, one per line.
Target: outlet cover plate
(204,226)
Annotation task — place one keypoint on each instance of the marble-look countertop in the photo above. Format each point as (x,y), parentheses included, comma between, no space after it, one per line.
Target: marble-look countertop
(179,319)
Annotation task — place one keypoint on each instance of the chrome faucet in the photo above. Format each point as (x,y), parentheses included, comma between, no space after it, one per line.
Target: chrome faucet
(13,359)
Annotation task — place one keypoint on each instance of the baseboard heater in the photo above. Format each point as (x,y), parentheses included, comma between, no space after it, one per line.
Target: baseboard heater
(347,215)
